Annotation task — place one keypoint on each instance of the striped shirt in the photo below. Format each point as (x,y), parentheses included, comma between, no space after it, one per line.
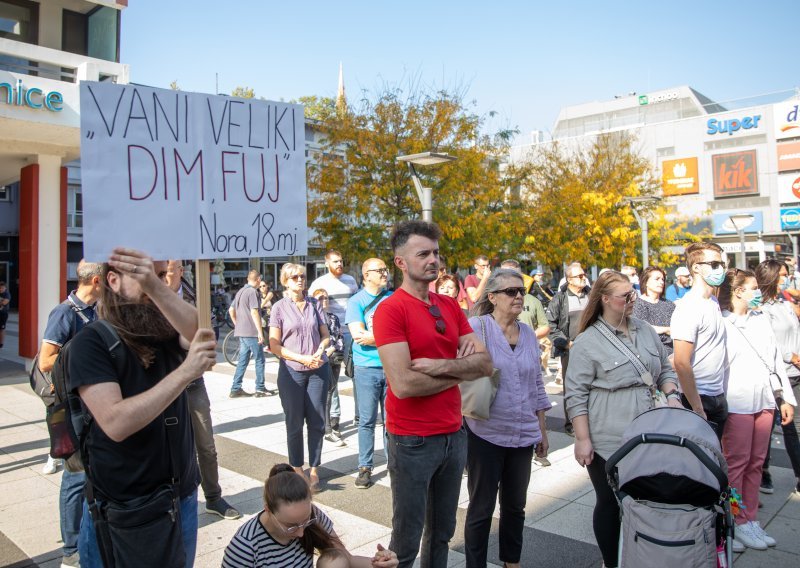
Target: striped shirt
(253,546)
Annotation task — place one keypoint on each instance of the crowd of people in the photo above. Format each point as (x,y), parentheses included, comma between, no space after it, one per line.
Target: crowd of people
(724,343)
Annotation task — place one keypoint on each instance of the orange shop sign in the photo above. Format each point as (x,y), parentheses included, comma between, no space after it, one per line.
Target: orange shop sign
(789,157)
(735,174)
(679,177)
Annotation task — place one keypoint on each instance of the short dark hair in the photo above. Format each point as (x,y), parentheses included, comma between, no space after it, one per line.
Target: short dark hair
(407,229)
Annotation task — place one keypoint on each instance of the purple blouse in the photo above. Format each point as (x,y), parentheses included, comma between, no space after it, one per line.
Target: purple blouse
(299,330)
(513,422)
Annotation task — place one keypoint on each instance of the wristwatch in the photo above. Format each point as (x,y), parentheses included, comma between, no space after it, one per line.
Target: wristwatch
(674,394)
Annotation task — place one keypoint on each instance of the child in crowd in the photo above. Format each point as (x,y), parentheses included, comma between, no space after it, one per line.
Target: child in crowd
(333,558)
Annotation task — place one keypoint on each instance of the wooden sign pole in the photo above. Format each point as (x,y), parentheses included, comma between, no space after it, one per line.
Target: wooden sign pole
(202,284)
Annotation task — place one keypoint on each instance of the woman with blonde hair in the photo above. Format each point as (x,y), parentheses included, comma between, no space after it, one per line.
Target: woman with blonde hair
(616,363)
(298,336)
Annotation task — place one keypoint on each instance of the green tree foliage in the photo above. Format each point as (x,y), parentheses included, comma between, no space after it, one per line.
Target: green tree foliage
(317,108)
(243,93)
(359,192)
(576,206)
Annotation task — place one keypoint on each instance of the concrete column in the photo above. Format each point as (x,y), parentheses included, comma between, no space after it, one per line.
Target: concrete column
(42,247)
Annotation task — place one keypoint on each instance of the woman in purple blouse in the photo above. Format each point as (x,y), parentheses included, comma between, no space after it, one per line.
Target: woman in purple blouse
(500,449)
(298,335)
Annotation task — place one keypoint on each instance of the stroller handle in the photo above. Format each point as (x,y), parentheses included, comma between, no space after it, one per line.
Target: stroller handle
(672,440)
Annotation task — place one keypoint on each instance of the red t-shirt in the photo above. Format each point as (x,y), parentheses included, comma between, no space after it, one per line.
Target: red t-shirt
(402,318)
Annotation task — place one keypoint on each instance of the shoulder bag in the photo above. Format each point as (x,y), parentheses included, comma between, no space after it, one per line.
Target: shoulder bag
(647,378)
(478,396)
(349,367)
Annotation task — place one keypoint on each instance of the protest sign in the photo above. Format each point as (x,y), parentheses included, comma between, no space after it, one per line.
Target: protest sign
(190,175)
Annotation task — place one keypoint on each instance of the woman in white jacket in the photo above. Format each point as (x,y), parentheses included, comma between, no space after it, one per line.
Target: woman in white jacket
(757,387)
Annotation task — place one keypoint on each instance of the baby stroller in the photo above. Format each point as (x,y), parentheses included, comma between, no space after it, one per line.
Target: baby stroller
(671,481)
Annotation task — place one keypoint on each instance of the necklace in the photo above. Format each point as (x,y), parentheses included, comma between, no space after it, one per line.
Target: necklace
(511,332)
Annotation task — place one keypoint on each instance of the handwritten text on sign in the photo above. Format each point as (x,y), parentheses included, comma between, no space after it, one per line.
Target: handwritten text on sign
(188,175)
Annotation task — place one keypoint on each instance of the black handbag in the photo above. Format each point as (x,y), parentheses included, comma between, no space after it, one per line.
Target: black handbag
(349,367)
(146,531)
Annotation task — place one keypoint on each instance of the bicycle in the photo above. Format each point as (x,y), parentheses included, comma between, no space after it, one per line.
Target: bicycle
(230,348)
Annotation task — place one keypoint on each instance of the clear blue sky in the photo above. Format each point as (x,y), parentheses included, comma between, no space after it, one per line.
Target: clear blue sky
(524,60)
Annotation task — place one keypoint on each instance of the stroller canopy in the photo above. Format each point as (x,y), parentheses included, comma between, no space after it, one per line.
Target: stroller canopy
(651,459)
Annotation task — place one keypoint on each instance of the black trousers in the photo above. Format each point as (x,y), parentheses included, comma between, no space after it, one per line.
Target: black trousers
(491,468)
(605,519)
(564,365)
(716,409)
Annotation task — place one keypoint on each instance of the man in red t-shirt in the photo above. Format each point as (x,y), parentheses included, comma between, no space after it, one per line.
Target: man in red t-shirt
(427,348)
(476,283)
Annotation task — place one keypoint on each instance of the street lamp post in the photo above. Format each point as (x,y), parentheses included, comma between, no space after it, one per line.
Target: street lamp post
(643,222)
(424,193)
(740,222)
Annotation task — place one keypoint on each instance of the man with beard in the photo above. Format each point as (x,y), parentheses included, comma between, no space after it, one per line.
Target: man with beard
(200,412)
(137,411)
(427,348)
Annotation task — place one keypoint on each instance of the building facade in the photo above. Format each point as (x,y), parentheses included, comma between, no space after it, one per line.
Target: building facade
(714,162)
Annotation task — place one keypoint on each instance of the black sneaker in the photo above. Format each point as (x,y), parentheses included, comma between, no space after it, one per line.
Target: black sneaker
(239,393)
(222,508)
(766,483)
(364,479)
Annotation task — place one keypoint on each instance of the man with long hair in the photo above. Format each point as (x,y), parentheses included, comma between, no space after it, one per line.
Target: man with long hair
(138,409)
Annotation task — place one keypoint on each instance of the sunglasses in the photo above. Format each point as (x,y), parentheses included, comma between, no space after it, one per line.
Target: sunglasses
(578,275)
(511,292)
(629,297)
(298,277)
(434,310)
(714,264)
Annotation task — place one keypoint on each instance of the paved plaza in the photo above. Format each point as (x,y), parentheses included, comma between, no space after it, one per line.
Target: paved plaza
(251,437)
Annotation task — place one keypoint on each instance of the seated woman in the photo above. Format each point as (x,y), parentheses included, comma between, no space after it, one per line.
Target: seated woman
(289,530)
(651,305)
(605,391)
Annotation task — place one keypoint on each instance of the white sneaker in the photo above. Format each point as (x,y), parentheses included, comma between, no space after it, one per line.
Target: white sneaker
(51,466)
(737,546)
(335,440)
(747,535)
(768,540)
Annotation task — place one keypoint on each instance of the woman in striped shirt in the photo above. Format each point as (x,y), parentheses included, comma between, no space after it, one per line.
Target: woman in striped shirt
(290,529)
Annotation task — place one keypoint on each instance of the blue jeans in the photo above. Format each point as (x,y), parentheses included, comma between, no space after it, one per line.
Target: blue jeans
(371,385)
(425,473)
(70,508)
(303,396)
(246,346)
(90,553)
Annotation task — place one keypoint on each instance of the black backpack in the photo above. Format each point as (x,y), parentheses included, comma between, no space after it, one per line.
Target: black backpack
(67,421)
(41,382)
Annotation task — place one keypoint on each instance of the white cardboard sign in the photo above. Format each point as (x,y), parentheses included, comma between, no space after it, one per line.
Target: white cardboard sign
(188,175)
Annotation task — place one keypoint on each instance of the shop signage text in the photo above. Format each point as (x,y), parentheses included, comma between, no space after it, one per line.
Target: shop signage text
(788,156)
(33,97)
(790,218)
(679,177)
(735,174)
(732,125)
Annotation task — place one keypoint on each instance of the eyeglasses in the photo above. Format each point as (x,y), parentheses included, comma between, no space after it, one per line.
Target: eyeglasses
(298,277)
(511,292)
(379,270)
(714,264)
(629,297)
(295,528)
(441,326)
(578,275)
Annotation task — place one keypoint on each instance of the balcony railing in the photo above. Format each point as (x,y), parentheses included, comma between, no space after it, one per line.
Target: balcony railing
(29,59)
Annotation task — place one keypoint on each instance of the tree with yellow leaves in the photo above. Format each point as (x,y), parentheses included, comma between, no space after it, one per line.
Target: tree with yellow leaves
(358,191)
(577,209)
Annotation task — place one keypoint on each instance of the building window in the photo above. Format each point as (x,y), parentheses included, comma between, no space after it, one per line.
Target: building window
(5,244)
(74,207)
(5,193)
(19,20)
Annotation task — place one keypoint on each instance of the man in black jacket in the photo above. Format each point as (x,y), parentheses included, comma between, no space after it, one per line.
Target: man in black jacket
(564,314)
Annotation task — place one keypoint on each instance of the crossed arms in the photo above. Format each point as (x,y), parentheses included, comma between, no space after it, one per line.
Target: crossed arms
(424,377)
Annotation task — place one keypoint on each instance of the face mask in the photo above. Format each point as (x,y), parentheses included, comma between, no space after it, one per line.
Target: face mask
(755,300)
(784,283)
(715,277)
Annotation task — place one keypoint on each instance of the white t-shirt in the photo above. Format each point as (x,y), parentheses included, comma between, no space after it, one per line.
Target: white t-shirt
(339,291)
(753,355)
(698,320)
